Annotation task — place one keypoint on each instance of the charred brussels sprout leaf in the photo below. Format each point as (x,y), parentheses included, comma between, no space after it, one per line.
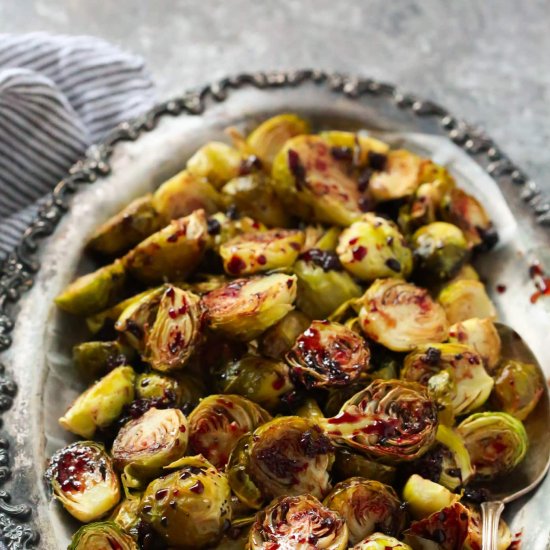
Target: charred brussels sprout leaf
(401,316)
(379,541)
(171,253)
(518,388)
(390,420)
(94,359)
(176,331)
(279,338)
(83,480)
(497,442)
(217,423)
(216,161)
(189,507)
(245,308)
(373,247)
(328,355)
(100,536)
(256,252)
(348,464)
(465,299)
(101,404)
(367,506)
(148,443)
(424,497)
(95,291)
(299,522)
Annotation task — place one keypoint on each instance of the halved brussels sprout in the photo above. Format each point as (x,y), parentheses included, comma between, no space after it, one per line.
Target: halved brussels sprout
(217,423)
(348,464)
(446,529)
(260,379)
(184,193)
(398,178)
(256,252)
(146,444)
(289,455)
(367,506)
(482,336)
(254,195)
(101,404)
(269,137)
(424,497)
(465,299)
(127,228)
(373,247)
(245,308)
(126,516)
(83,480)
(95,291)
(518,388)
(355,147)
(379,541)
(320,290)
(188,508)
(176,332)
(171,253)
(102,536)
(466,212)
(315,185)
(328,355)
(279,338)
(94,359)
(222,228)
(440,250)
(470,385)
(497,442)
(474,539)
(401,316)
(391,420)
(298,522)
(216,161)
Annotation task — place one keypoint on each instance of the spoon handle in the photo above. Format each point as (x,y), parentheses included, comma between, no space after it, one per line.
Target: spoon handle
(490,512)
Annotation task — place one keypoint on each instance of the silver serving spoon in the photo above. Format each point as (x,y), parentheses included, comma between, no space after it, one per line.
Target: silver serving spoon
(531,471)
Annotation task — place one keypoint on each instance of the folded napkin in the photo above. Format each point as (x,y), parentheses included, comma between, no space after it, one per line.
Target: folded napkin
(58,95)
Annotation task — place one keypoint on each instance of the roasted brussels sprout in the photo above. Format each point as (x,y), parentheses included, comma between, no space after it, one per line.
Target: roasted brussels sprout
(474,539)
(328,355)
(315,185)
(101,536)
(171,253)
(390,420)
(176,331)
(245,308)
(216,161)
(270,136)
(358,148)
(518,388)
(254,195)
(262,380)
(101,404)
(148,443)
(126,516)
(463,210)
(373,247)
(95,291)
(401,316)
(298,522)
(94,359)
(278,339)
(217,423)
(367,506)
(399,177)
(424,497)
(379,541)
(256,252)
(482,336)
(83,480)
(466,299)
(289,455)
(469,385)
(127,228)
(497,442)
(349,464)
(440,250)
(222,228)
(181,390)
(189,507)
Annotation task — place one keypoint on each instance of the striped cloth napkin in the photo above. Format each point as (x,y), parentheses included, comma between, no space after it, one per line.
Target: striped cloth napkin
(58,95)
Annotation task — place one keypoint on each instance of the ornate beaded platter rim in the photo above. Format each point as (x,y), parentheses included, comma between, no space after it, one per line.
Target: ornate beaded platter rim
(18,528)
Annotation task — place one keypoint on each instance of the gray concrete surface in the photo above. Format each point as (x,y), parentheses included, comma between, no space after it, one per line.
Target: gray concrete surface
(486,60)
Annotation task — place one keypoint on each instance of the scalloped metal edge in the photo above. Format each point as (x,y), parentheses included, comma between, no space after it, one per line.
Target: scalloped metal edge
(16,530)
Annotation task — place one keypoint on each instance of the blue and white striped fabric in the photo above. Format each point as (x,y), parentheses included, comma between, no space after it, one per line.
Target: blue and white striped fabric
(58,95)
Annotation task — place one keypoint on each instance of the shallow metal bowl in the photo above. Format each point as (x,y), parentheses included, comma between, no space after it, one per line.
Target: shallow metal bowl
(38,381)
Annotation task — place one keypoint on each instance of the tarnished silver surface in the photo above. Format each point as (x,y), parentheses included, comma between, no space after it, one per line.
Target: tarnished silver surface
(38,347)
